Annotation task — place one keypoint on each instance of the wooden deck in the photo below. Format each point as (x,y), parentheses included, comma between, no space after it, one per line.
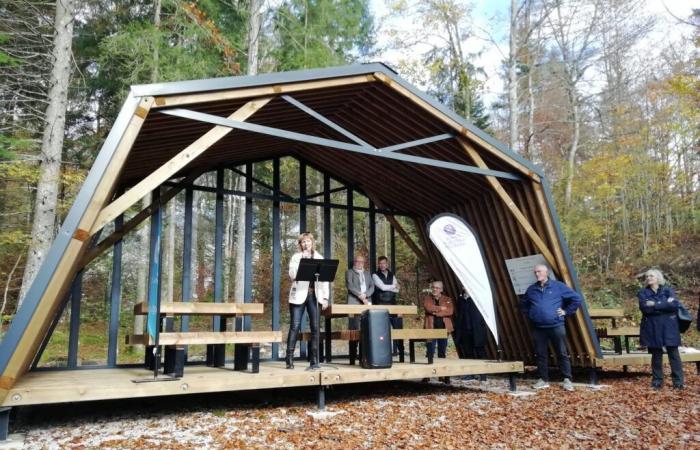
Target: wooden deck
(638,358)
(58,386)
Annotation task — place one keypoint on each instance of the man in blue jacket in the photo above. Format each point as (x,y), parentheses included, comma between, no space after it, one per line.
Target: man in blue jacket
(546,303)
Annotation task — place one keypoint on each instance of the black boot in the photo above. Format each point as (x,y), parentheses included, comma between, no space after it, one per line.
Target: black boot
(289,359)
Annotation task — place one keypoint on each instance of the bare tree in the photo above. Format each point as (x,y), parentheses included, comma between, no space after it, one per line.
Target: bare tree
(573,28)
(51,145)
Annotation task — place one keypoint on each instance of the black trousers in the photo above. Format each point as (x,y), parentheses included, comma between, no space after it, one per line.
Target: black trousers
(296,312)
(657,366)
(542,338)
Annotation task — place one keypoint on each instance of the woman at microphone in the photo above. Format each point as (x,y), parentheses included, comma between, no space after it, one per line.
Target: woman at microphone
(304,295)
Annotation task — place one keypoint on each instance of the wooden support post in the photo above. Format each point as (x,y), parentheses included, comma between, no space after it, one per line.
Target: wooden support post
(136,220)
(174,165)
(58,282)
(508,201)
(512,384)
(404,235)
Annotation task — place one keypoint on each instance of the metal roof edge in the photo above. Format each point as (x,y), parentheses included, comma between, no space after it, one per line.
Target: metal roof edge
(244,81)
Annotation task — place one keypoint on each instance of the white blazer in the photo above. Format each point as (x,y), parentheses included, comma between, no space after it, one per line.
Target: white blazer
(300,289)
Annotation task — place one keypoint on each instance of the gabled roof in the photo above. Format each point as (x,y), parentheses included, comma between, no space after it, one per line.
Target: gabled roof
(370,101)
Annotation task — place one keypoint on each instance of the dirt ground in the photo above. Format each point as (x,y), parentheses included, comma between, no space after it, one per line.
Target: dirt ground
(622,413)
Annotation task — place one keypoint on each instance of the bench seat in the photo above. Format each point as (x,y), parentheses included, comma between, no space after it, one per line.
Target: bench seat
(412,335)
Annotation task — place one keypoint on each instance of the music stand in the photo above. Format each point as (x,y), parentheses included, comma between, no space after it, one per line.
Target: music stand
(317,271)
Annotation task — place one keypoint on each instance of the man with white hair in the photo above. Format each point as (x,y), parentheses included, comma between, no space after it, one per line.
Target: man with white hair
(546,303)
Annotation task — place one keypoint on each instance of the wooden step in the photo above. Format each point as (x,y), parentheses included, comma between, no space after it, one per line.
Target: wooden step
(201,308)
(209,337)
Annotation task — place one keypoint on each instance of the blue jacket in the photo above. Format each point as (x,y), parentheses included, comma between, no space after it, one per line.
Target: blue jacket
(659,327)
(540,304)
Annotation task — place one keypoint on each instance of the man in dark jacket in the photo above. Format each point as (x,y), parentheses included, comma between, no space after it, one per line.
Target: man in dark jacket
(546,303)
(386,286)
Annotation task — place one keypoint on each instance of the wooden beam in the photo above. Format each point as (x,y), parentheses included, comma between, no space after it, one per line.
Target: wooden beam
(175,164)
(67,267)
(208,337)
(135,221)
(200,308)
(402,232)
(508,201)
(606,313)
(455,125)
(233,94)
(342,309)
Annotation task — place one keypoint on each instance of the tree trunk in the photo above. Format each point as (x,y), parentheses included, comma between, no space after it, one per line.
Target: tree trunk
(254,21)
(571,163)
(513,78)
(51,145)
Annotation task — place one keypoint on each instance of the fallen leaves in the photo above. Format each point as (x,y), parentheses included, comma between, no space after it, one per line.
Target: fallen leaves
(625,414)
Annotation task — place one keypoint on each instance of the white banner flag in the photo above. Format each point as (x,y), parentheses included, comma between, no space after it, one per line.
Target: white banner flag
(458,245)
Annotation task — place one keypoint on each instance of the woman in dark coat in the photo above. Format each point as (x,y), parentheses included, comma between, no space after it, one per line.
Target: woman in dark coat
(659,327)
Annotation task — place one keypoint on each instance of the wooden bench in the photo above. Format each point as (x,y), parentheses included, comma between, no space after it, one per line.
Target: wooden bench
(617,333)
(214,340)
(337,310)
(612,314)
(412,335)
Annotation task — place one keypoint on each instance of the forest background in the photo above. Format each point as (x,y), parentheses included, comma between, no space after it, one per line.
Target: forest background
(604,95)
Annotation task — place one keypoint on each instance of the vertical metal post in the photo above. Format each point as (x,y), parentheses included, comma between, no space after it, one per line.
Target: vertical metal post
(241,351)
(216,353)
(373,239)
(512,385)
(74,335)
(248,287)
(219,322)
(187,259)
(321,398)
(327,253)
(351,227)
(302,228)
(115,296)
(276,254)
(593,376)
(392,248)
(4,422)
(302,196)
(154,278)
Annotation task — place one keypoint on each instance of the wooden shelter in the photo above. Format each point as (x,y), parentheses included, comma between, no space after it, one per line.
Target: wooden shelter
(360,124)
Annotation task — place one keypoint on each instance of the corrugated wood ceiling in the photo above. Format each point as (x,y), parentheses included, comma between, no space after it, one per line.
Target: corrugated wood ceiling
(372,111)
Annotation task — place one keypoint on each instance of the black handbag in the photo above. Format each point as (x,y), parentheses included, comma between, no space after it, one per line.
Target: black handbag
(684,318)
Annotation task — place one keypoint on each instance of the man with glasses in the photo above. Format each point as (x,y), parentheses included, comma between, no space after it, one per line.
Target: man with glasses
(438,315)
(546,303)
(358,282)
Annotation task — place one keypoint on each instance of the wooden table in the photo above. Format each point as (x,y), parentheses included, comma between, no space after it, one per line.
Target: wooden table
(345,310)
